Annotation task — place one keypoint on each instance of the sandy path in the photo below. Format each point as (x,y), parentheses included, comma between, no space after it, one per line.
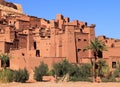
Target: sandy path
(66,84)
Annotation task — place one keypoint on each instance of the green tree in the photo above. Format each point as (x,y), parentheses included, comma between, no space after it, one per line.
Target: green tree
(40,71)
(96,46)
(4,59)
(21,75)
(61,68)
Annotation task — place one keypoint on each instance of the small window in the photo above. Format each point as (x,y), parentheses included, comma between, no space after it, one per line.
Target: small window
(37,53)
(79,39)
(48,36)
(14,22)
(100,54)
(83,26)
(84,50)
(35,45)
(112,45)
(85,39)
(78,50)
(106,41)
(23,54)
(113,64)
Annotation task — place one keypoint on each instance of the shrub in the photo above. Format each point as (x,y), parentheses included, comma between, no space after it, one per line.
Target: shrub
(6,75)
(40,71)
(80,73)
(62,68)
(76,73)
(116,72)
(85,70)
(111,79)
(50,73)
(21,75)
(80,79)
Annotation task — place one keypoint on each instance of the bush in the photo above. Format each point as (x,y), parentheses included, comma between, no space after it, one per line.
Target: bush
(80,73)
(80,79)
(50,73)
(76,73)
(111,79)
(40,71)
(21,75)
(6,75)
(62,68)
(116,72)
(85,70)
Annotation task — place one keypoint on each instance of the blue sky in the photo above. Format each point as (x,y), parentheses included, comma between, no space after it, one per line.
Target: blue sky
(104,13)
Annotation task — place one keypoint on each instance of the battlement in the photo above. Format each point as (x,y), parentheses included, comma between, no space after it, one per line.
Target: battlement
(10,9)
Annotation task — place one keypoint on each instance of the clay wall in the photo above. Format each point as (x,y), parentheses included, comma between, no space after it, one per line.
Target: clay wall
(112,55)
(82,41)
(34,22)
(2,2)
(22,41)
(23,24)
(2,48)
(70,44)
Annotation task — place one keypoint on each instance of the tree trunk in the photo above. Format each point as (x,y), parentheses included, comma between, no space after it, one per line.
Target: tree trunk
(93,70)
(96,73)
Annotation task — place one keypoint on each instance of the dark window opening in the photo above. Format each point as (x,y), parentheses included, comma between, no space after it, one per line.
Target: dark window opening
(79,39)
(84,50)
(16,42)
(112,45)
(14,22)
(100,55)
(23,54)
(35,45)
(83,26)
(106,41)
(5,65)
(85,39)
(37,53)
(113,64)
(81,31)
(78,50)
(85,23)
(48,36)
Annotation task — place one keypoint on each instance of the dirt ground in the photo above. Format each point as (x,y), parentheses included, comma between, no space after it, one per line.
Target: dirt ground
(64,84)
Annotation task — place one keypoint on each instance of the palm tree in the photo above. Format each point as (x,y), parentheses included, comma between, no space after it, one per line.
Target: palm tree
(4,59)
(95,46)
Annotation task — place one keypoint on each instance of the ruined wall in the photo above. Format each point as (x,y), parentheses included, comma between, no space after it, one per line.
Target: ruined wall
(9,9)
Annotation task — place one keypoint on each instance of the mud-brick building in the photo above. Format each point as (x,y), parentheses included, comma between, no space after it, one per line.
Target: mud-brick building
(112,54)
(30,40)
